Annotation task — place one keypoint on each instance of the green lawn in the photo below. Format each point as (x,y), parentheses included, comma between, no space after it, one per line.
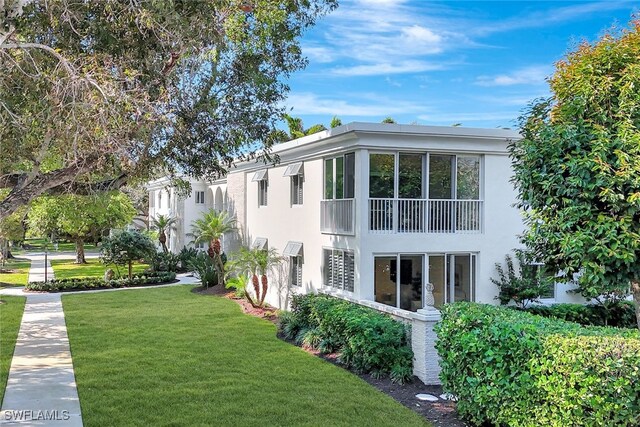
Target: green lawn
(10,317)
(171,357)
(66,268)
(63,246)
(18,273)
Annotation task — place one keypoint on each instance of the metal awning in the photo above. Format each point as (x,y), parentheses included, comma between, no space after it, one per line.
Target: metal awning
(261,175)
(293,169)
(259,243)
(293,249)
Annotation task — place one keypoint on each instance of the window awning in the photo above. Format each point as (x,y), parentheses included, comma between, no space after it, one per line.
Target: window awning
(293,169)
(293,249)
(259,243)
(261,175)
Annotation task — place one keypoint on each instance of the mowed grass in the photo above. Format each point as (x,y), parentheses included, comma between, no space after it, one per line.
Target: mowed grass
(10,318)
(171,357)
(37,245)
(67,268)
(18,272)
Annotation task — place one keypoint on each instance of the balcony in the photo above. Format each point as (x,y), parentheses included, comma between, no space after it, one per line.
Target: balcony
(388,216)
(337,216)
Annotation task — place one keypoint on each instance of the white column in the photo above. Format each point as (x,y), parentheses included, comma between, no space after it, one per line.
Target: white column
(423,337)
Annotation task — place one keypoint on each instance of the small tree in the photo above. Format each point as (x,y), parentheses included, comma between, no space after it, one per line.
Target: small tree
(522,284)
(577,169)
(256,263)
(163,224)
(210,229)
(126,247)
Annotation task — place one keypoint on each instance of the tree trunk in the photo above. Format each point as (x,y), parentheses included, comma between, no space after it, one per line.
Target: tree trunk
(130,270)
(162,238)
(80,259)
(635,289)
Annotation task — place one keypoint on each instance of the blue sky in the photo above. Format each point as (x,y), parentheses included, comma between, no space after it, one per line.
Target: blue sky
(440,63)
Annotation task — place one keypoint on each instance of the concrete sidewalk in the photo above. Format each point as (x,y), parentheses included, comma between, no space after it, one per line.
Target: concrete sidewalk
(41,388)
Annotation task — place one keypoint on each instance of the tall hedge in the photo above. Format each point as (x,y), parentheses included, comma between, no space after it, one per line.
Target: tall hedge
(517,369)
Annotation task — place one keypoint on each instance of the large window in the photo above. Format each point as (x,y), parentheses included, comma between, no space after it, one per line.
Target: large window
(453,277)
(339,269)
(454,177)
(398,281)
(339,177)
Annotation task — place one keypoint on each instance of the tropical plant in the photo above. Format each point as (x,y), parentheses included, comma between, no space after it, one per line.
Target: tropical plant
(125,247)
(209,229)
(335,122)
(256,263)
(297,130)
(577,169)
(205,269)
(389,120)
(185,256)
(522,284)
(163,224)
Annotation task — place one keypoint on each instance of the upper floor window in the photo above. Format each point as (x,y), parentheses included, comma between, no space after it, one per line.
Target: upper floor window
(454,176)
(160,199)
(295,171)
(263,183)
(339,177)
(200,197)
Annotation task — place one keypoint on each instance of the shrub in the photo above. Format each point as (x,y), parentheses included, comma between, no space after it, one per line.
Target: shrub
(164,261)
(238,284)
(522,284)
(513,368)
(126,247)
(368,341)
(84,283)
(205,269)
(185,256)
(621,315)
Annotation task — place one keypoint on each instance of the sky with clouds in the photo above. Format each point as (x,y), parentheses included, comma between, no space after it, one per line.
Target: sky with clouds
(439,63)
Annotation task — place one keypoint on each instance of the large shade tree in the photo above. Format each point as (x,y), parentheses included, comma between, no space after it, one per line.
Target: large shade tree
(577,168)
(98,93)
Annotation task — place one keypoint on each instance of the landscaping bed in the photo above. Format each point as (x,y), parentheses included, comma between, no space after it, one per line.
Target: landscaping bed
(94,283)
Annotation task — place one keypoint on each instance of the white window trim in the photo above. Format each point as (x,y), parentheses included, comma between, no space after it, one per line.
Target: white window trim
(343,253)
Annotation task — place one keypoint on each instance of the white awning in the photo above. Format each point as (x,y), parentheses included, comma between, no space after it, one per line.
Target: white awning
(293,169)
(293,249)
(259,243)
(261,175)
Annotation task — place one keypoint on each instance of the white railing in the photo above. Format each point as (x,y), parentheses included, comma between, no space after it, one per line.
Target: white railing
(425,216)
(337,216)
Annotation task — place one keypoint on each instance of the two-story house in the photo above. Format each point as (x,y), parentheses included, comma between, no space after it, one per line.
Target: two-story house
(374,212)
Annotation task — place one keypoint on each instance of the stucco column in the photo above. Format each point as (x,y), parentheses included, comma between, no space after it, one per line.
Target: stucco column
(423,339)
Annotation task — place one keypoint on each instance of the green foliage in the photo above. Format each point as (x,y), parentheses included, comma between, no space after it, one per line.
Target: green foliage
(125,247)
(335,122)
(185,256)
(389,120)
(297,130)
(367,340)
(577,168)
(163,224)
(522,285)
(621,315)
(86,283)
(505,365)
(210,228)
(205,269)
(238,284)
(258,264)
(164,261)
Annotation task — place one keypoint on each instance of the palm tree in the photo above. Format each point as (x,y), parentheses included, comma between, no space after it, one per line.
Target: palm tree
(163,223)
(256,262)
(210,228)
(297,130)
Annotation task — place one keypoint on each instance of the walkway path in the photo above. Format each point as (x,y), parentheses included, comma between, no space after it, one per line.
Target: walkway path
(41,388)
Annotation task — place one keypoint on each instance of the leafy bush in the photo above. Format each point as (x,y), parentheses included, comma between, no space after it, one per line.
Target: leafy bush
(125,247)
(164,261)
(507,366)
(522,284)
(204,269)
(185,256)
(621,315)
(238,284)
(84,283)
(367,340)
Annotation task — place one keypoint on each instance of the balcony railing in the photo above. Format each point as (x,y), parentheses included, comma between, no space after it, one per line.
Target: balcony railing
(337,216)
(425,216)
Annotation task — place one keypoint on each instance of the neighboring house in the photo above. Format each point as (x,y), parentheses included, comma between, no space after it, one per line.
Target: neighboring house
(372,212)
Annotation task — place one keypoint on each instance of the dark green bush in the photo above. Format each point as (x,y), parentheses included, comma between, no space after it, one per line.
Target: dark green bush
(185,256)
(84,283)
(620,315)
(367,340)
(513,368)
(164,261)
(204,269)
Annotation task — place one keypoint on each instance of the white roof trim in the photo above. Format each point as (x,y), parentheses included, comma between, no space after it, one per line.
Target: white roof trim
(293,169)
(260,175)
(293,249)
(259,243)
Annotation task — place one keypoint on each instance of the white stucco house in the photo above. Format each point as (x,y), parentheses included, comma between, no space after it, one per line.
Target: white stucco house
(372,212)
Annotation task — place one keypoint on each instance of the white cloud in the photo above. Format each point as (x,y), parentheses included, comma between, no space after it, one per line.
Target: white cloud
(386,68)
(367,106)
(533,75)
(318,54)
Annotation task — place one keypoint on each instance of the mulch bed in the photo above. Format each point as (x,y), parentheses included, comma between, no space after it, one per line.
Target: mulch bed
(441,413)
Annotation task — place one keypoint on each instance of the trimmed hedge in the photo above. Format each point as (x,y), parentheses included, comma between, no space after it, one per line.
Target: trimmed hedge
(84,283)
(513,368)
(621,315)
(368,341)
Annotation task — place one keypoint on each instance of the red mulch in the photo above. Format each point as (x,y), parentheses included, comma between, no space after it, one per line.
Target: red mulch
(441,413)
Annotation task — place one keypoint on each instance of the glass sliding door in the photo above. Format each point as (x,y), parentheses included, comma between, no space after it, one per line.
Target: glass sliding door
(461,285)
(382,182)
(468,177)
(398,281)
(441,191)
(411,207)
(385,277)
(410,282)
(453,277)
(438,278)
